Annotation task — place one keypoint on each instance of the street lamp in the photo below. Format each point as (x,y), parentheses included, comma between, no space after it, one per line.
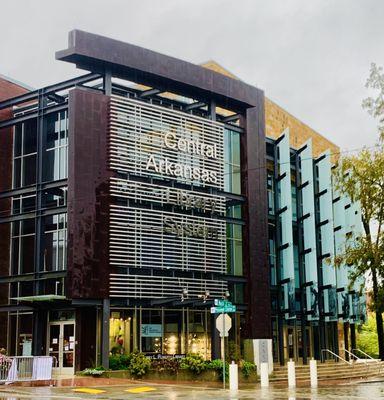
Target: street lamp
(184,294)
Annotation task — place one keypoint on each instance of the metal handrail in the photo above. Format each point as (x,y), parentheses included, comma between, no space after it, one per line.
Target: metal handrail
(367,355)
(355,356)
(335,355)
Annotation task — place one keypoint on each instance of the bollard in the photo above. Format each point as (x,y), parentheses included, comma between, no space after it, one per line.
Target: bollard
(291,374)
(313,372)
(264,374)
(233,376)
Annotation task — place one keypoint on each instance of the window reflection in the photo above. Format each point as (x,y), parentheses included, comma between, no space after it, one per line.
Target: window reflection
(232,172)
(235,249)
(24,153)
(56,154)
(55,252)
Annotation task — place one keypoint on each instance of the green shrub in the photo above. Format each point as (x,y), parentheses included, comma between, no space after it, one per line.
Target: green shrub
(115,363)
(217,365)
(93,371)
(166,365)
(234,353)
(136,363)
(247,368)
(194,363)
(139,364)
(367,338)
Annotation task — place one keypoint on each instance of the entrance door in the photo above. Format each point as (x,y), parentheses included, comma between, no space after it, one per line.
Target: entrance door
(301,343)
(61,345)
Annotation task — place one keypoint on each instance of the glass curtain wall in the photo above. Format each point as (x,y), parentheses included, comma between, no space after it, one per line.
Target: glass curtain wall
(160,331)
(56,153)
(232,175)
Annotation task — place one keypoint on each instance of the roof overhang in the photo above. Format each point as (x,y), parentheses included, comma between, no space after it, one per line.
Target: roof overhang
(99,54)
(42,298)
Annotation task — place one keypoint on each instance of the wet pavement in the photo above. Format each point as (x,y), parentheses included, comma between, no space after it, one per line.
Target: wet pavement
(148,390)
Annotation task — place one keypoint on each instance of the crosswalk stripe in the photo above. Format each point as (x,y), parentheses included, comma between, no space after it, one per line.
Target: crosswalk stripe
(140,389)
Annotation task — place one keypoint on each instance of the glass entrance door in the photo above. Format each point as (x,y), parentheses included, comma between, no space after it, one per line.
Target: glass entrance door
(61,345)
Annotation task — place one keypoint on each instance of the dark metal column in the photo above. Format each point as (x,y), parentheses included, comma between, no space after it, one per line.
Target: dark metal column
(335,337)
(215,339)
(346,339)
(39,331)
(321,345)
(212,110)
(107,82)
(39,316)
(105,334)
(353,336)
(39,221)
(280,314)
(300,232)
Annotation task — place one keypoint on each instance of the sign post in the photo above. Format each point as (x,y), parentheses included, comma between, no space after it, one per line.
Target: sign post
(223,324)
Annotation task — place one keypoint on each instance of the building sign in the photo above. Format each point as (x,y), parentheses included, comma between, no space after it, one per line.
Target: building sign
(187,172)
(166,215)
(151,330)
(154,141)
(162,195)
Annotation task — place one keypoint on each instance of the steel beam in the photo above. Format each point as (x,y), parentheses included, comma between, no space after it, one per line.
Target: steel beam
(231,118)
(150,92)
(32,189)
(31,276)
(193,106)
(30,96)
(19,217)
(47,110)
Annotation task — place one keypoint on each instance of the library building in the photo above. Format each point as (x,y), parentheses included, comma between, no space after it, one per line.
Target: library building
(137,193)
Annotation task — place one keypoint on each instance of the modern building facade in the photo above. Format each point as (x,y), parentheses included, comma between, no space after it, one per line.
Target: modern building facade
(133,196)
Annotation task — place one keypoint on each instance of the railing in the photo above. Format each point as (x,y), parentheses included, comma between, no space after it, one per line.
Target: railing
(23,368)
(367,355)
(335,355)
(354,356)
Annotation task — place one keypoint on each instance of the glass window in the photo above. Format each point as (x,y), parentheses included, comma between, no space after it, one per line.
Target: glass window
(232,164)
(56,197)
(235,249)
(294,202)
(56,154)
(29,170)
(198,339)
(55,251)
(151,331)
(24,153)
(271,192)
(173,330)
(30,137)
(272,257)
(234,211)
(23,247)
(296,259)
(122,326)
(237,293)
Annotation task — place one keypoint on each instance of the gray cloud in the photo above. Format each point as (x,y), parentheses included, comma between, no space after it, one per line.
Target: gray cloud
(311,57)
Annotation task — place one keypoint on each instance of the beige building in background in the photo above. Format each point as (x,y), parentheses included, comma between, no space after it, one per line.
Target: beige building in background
(277,119)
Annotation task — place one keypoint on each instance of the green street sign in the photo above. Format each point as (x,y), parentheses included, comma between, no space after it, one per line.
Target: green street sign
(222,303)
(227,309)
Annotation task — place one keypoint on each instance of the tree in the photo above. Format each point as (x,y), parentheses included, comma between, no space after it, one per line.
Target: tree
(367,338)
(361,177)
(375,105)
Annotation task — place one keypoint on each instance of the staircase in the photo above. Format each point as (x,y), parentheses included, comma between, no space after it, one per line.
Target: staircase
(331,370)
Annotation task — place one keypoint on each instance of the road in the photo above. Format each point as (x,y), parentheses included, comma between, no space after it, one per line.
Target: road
(182,392)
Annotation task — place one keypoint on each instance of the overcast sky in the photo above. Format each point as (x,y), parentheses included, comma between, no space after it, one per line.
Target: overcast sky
(311,57)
